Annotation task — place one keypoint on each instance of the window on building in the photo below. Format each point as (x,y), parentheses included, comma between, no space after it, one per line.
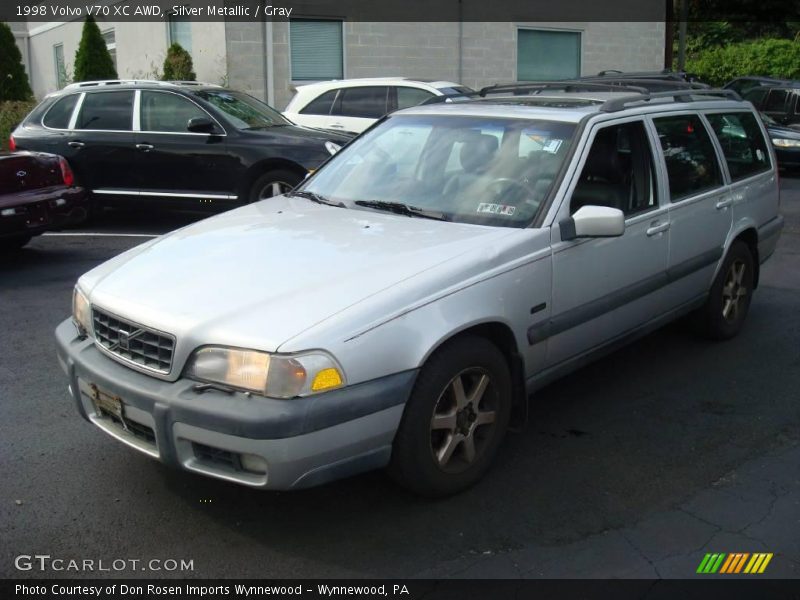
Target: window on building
(548,54)
(61,67)
(180,32)
(110,38)
(317,51)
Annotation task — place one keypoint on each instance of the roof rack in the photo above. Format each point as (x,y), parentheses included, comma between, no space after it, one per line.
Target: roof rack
(113,82)
(567,85)
(686,95)
(646,81)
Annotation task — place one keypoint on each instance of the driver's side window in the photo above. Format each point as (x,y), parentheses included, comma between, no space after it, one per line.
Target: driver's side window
(619,171)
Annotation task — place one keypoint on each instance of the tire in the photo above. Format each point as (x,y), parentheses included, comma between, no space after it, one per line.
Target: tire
(14,243)
(723,314)
(273,183)
(431,454)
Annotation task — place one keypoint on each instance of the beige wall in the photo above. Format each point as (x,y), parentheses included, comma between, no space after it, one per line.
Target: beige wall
(141,48)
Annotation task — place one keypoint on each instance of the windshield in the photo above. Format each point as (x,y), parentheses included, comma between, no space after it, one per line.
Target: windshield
(481,170)
(245,112)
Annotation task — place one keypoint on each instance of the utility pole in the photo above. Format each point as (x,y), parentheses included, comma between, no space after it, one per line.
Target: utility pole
(682,34)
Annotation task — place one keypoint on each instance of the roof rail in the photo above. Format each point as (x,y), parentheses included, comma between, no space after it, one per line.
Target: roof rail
(567,85)
(646,81)
(112,82)
(686,95)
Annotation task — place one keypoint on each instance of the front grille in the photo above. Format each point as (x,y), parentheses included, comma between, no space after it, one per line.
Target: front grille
(136,344)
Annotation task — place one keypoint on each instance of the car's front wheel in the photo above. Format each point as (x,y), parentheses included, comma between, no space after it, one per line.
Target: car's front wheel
(273,183)
(454,420)
(724,313)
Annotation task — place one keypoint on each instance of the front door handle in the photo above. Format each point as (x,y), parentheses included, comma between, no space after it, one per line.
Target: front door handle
(724,203)
(75,144)
(656,228)
(144,147)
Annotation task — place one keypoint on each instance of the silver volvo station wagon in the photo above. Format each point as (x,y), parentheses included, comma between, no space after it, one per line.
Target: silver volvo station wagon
(399,306)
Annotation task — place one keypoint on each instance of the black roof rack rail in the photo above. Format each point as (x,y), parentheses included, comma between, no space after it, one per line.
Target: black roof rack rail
(645,81)
(567,85)
(686,95)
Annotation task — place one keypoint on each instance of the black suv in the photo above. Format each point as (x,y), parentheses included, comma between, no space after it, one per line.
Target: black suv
(781,102)
(188,144)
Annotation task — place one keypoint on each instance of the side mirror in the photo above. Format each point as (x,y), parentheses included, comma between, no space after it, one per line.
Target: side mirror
(200,125)
(593,221)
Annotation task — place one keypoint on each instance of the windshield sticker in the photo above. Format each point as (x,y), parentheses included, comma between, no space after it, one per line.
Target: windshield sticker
(497,209)
(552,146)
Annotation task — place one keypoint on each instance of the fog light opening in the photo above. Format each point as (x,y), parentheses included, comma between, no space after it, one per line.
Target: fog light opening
(253,464)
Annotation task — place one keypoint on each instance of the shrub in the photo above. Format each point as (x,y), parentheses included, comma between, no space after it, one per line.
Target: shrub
(178,65)
(92,59)
(767,57)
(13,79)
(11,115)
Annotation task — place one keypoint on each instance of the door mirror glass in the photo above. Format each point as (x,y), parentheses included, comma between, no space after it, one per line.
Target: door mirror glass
(593,221)
(200,125)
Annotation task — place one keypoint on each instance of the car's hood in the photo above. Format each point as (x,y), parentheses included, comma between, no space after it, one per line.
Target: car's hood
(259,275)
(779,131)
(296,133)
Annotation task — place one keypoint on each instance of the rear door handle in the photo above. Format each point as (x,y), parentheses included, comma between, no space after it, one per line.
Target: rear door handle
(75,144)
(144,147)
(724,203)
(656,227)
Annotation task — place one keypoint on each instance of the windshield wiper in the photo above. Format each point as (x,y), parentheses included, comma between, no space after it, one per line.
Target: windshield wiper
(316,198)
(399,208)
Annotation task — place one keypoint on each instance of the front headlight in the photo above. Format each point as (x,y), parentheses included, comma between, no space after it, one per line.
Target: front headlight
(81,312)
(785,143)
(332,148)
(273,375)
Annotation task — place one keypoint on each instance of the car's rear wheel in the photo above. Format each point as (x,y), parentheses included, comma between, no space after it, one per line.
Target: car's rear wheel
(273,183)
(724,313)
(454,420)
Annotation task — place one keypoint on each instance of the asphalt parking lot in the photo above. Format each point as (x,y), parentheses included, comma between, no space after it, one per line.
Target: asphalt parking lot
(635,466)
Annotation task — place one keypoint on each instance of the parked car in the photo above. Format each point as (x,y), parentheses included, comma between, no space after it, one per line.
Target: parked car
(742,85)
(355,104)
(397,306)
(778,102)
(184,144)
(663,75)
(785,140)
(37,193)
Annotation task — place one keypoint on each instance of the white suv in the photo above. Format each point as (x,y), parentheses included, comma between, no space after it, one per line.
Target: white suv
(355,104)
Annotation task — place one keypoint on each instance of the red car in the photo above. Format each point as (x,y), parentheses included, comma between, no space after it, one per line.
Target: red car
(37,193)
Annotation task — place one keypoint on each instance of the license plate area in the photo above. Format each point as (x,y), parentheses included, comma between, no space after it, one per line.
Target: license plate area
(108,405)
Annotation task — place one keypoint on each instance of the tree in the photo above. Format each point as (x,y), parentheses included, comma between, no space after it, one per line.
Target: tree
(13,79)
(92,59)
(178,65)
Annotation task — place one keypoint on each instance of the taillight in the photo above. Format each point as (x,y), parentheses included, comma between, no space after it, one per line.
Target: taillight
(12,145)
(66,172)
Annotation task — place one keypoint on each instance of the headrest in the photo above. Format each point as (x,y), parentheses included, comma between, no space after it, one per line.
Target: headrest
(477,151)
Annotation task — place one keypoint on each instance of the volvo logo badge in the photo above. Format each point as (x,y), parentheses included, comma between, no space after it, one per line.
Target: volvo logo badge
(124,340)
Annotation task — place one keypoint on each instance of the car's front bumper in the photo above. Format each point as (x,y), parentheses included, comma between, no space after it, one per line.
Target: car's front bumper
(299,443)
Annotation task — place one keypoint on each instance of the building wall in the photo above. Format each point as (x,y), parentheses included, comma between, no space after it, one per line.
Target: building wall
(487,51)
(141,48)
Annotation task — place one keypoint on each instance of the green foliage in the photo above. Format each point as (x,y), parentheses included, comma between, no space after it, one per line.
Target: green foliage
(11,114)
(178,65)
(13,80)
(778,58)
(92,59)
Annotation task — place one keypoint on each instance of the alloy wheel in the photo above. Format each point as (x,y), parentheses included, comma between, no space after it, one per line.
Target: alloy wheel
(274,188)
(734,291)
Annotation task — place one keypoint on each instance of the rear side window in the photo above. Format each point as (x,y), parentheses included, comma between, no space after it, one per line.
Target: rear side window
(107,110)
(756,96)
(689,154)
(365,102)
(776,101)
(742,143)
(320,105)
(59,114)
